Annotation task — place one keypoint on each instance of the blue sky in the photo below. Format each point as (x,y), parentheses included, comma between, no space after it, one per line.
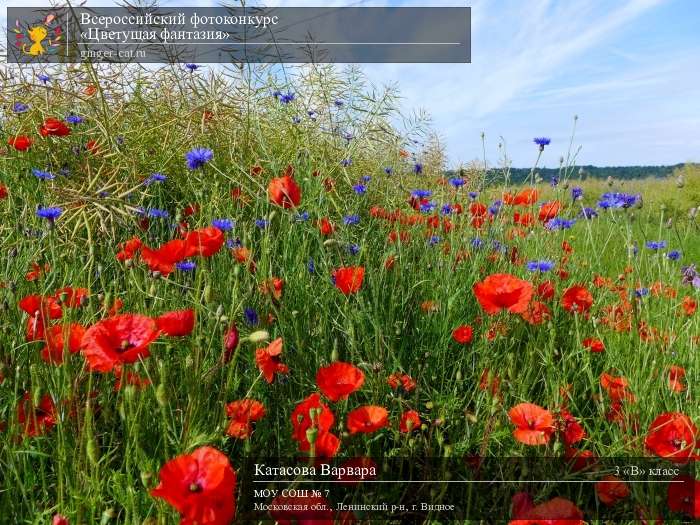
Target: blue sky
(630,70)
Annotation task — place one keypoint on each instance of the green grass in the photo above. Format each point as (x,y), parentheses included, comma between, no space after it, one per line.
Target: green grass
(99,462)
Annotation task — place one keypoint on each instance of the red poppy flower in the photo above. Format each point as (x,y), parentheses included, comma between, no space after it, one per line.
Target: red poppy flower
(549,210)
(273,286)
(557,511)
(535,425)
(117,340)
(310,413)
(72,297)
(129,378)
(3,191)
(571,430)
(243,413)
(478,209)
(338,380)
(577,299)
(367,419)
(349,279)
(36,272)
(20,142)
(537,313)
(410,421)
(284,191)
(405,381)
(128,249)
(545,290)
(463,334)
(59,519)
(164,258)
(268,360)
(178,323)
(38,420)
(611,489)
(579,459)
(526,197)
(684,497)
(326,227)
(53,126)
(204,242)
(503,291)
(689,305)
(676,378)
(672,435)
(616,387)
(200,486)
(40,310)
(56,341)
(594,344)
(526,219)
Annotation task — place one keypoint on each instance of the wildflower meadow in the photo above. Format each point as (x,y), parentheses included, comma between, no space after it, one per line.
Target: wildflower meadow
(206,265)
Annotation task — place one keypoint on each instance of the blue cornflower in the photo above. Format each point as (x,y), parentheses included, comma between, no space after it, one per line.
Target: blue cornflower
(74,119)
(540,266)
(251,316)
(192,67)
(339,103)
(421,194)
(588,213)
(554,181)
(43,175)
(158,214)
(418,168)
(302,217)
(286,98)
(198,157)
(427,207)
(311,266)
(434,240)
(541,142)
(49,213)
(495,207)
(19,107)
(120,139)
(223,224)
(366,178)
(457,182)
(641,292)
(618,200)
(347,136)
(476,243)
(388,170)
(674,255)
(234,243)
(635,249)
(576,193)
(44,78)
(360,189)
(473,195)
(296,120)
(559,224)
(346,162)
(656,245)
(446,209)
(262,223)
(154,177)
(351,220)
(353,249)
(186,266)
(312,114)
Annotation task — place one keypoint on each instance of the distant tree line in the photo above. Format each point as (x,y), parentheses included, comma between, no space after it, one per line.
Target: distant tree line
(519,175)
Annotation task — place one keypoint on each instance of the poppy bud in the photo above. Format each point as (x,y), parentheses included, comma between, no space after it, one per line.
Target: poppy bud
(146,478)
(107,515)
(93,451)
(459,375)
(311,435)
(334,354)
(219,311)
(207,294)
(161,396)
(259,336)
(122,412)
(231,339)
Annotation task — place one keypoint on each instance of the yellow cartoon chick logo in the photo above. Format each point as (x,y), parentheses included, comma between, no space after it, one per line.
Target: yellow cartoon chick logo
(43,37)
